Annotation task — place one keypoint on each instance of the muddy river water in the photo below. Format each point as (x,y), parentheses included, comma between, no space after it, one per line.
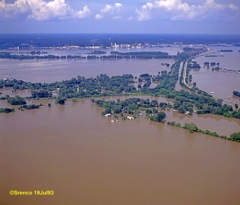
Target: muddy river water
(85,159)
(57,70)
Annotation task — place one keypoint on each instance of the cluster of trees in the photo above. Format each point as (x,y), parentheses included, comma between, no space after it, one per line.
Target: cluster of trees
(60,100)
(188,78)
(79,87)
(3,98)
(160,76)
(216,69)
(22,85)
(193,65)
(182,106)
(6,110)
(225,110)
(16,100)
(226,50)
(235,137)
(129,106)
(132,106)
(165,64)
(41,94)
(146,79)
(8,55)
(158,117)
(186,101)
(98,52)
(141,55)
(30,107)
(37,52)
(236,93)
(203,102)
(166,80)
(212,64)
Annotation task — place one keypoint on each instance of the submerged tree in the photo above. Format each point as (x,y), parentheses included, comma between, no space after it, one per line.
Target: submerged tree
(60,100)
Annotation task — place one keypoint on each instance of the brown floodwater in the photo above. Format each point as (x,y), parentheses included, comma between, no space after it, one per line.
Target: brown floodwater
(222,84)
(215,123)
(49,71)
(86,159)
(14,93)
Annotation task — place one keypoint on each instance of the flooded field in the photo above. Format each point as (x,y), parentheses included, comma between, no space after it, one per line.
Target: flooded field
(58,70)
(222,84)
(85,159)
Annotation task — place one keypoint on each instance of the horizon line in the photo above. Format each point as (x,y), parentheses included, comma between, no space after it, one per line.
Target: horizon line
(120,33)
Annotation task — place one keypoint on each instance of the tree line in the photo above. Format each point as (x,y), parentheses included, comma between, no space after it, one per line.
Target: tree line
(91,56)
(192,127)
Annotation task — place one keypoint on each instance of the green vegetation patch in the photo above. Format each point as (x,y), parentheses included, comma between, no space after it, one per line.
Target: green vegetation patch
(16,100)
(30,107)
(132,106)
(6,110)
(192,127)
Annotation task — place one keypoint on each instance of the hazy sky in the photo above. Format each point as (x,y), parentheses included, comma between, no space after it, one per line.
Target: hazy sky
(122,16)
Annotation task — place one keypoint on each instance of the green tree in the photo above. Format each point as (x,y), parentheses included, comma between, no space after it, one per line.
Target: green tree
(6,110)
(60,100)
(161,116)
(16,100)
(41,94)
(191,127)
(148,111)
(235,136)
